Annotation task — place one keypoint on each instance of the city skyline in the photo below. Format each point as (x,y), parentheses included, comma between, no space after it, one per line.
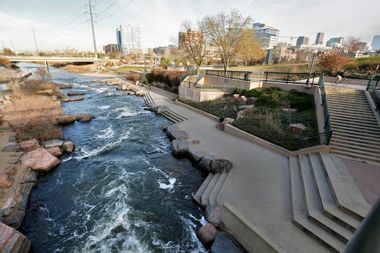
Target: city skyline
(161,20)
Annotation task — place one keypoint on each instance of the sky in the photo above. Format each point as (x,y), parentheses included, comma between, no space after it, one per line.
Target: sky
(60,24)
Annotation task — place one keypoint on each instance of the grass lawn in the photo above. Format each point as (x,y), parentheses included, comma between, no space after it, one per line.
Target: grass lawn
(126,69)
(266,119)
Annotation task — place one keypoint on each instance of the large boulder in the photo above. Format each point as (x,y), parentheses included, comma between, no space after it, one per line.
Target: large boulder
(297,129)
(173,132)
(207,234)
(11,147)
(75,93)
(205,163)
(180,147)
(220,166)
(83,117)
(196,154)
(40,160)
(52,143)
(160,109)
(214,216)
(12,241)
(140,93)
(30,145)
(66,119)
(55,151)
(72,99)
(223,243)
(68,146)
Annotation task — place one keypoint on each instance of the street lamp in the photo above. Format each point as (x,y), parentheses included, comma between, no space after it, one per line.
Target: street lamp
(311,67)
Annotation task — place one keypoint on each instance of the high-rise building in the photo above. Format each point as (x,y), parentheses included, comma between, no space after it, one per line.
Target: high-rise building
(335,41)
(128,38)
(376,42)
(267,36)
(319,38)
(184,38)
(111,48)
(302,40)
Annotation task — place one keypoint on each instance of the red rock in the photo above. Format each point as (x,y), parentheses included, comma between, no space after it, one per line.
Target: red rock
(55,151)
(6,181)
(12,241)
(40,159)
(30,145)
(207,233)
(214,216)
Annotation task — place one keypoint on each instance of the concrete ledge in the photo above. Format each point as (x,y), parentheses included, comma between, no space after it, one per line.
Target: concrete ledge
(230,129)
(196,110)
(247,234)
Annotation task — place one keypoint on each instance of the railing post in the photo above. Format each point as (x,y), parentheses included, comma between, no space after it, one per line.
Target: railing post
(266,76)
(287,78)
(369,83)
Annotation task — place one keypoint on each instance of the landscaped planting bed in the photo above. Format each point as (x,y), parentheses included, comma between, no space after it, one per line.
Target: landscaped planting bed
(267,113)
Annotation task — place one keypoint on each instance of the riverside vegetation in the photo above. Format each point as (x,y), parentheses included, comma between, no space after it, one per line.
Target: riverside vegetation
(267,113)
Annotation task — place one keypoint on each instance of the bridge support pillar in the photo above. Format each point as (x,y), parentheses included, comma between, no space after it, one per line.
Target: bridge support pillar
(47,66)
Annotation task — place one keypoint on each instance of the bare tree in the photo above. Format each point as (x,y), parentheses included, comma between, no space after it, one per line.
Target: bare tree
(223,32)
(247,48)
(192,44)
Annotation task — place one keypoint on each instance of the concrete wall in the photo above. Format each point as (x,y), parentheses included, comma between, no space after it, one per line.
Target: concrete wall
(248,235)
(227,83)
(198,95)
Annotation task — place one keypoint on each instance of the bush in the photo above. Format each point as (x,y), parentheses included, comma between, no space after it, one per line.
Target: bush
(32,87)
(300,101)
(132,76)
(222,108)
(4,62)
(171,78)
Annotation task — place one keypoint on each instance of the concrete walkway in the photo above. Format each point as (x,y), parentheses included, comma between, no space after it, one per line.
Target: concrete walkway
(258,185)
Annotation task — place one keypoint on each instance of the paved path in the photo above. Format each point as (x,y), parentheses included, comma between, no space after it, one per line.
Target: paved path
(258,185)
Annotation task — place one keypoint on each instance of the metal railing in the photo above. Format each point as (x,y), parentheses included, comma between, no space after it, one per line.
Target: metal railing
(290,77)
(373,90)
(326,114)
(267,76)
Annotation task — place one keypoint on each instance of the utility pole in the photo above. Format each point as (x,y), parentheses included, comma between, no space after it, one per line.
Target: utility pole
(35,40)
(93,30)
(13,47)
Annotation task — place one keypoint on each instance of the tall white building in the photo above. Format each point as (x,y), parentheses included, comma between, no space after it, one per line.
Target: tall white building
(376,42)
(267,36)
(128,38)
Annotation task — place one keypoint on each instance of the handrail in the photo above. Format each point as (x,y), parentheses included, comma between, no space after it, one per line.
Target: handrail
(326,114)
(373,91)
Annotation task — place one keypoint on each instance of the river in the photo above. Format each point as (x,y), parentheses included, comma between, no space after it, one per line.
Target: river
(121,191)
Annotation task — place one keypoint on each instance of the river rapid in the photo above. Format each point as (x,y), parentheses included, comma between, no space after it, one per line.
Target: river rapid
(121,191)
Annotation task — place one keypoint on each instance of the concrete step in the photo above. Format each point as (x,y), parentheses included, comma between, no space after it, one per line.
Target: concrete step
(214,194)
(198,194)
(348,104)
(359,149)
(339,110)
(170,117)
(326,197)
(176,115)
(371,135)
(366,129)
(353,118)
(353,139)
(313,202)
(300,215)
(349,135)
(356,124)
(337,141)
(348,101)
(357,155)
(208,190)
(345,192)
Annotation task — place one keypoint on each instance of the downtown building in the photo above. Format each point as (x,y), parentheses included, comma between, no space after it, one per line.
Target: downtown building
(335,42)
(319,38)
(128,39)
(267,36)
(376,42)
(302,40)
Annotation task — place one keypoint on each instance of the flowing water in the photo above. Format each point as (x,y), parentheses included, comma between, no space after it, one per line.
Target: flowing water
(121,191)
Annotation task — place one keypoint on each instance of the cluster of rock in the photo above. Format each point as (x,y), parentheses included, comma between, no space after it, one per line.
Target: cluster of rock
(210,234)
(69,119)
(130,88)
(12,240)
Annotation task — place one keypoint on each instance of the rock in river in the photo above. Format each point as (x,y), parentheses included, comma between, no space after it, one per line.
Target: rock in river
(179,147)
(66,119)
(30,145)
(53,143)
(83,117)
(55,151)
(207,233)
(68,146)
(40,160)
(214,216)
(12,241)
(173,132)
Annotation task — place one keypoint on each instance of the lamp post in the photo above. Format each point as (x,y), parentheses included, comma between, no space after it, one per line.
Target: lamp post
(311,67)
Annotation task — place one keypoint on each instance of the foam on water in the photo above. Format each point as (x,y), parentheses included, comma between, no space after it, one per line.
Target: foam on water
(167,186)
(107,133)
(104,107)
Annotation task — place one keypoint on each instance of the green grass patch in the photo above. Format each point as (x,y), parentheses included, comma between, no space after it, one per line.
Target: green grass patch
(222,108)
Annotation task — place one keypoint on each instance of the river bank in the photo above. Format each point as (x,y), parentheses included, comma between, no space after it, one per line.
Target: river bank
(135,198)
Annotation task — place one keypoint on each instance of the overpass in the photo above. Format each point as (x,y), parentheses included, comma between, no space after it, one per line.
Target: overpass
(49,59)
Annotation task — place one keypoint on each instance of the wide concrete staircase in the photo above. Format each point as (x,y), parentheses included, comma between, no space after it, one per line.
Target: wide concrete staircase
(208,193)
(325,202)
(169,114)
(356,132)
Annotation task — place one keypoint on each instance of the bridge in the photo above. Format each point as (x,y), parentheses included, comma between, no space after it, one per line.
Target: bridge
(49,59)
